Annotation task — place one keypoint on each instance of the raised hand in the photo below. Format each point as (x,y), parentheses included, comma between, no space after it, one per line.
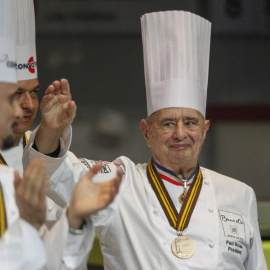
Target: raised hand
(58,110)
(30,193)
(89,197)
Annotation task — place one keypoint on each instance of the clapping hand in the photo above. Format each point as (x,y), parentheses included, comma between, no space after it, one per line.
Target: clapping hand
(30,193)
(89,197)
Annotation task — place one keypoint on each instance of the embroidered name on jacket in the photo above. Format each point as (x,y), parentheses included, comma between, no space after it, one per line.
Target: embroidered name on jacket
(233,225)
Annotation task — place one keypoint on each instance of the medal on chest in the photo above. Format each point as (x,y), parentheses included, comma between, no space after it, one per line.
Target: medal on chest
(183,196)
(182,246)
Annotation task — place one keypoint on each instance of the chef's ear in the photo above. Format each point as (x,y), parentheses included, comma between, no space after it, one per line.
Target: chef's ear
(145,131)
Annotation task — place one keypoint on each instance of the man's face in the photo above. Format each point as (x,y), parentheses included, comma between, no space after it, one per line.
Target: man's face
(28,100)
(175,136)
(10,111)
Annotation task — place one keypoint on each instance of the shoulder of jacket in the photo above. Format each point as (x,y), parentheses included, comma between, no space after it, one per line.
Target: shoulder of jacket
(221,179)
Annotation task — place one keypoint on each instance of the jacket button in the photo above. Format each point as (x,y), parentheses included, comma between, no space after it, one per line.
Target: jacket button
(206,182)
(211,245)
(211,210)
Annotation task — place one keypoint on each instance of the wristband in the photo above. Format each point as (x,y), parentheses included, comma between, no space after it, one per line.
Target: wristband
(78,231)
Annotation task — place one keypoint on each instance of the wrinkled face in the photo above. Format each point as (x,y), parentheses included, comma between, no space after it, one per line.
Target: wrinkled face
(175,136)
(28,100)
(10,112)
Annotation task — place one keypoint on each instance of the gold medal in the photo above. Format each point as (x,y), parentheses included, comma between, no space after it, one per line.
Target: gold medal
(182,197)
(183,247)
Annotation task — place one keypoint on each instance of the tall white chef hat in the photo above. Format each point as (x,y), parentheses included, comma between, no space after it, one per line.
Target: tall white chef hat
(8,24)
(176,46)
(26,40)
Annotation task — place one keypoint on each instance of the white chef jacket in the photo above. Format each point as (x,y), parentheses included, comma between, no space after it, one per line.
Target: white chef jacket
(21,246)
(64,250)
(13,158)
(134,232)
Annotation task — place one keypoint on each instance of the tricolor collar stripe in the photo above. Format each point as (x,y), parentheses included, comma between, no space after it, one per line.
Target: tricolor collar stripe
(172,181)
(163,169)
(161,192)
(159,167)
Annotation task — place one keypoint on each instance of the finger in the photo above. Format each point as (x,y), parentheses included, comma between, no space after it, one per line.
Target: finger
(94,170)
(115,182)
(50,101)
(33,178)
(43,192)
(39,182)
(29,183)
(57,87)
(45,100)
(50,89)
(44,187)
(109,192)
(56,83)
(37,197)
(65,87)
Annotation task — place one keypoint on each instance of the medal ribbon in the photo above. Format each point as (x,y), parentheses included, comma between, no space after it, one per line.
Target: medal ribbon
(3,218)
(178,221)
(25,141)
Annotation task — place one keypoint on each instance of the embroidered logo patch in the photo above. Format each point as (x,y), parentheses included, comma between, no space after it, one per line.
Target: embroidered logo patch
(105,168)
(233,225)
(84,162)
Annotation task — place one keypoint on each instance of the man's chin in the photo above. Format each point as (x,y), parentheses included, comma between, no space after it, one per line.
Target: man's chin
(21,129)
(8,142)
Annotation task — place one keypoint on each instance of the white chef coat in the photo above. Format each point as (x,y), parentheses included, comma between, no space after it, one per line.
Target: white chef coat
(13,158)
(64,250)
(21,246)
(134,232)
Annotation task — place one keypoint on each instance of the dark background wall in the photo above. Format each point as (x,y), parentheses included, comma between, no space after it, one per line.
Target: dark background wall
(97,46)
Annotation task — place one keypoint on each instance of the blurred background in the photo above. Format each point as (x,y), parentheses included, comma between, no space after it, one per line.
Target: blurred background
(97,45)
